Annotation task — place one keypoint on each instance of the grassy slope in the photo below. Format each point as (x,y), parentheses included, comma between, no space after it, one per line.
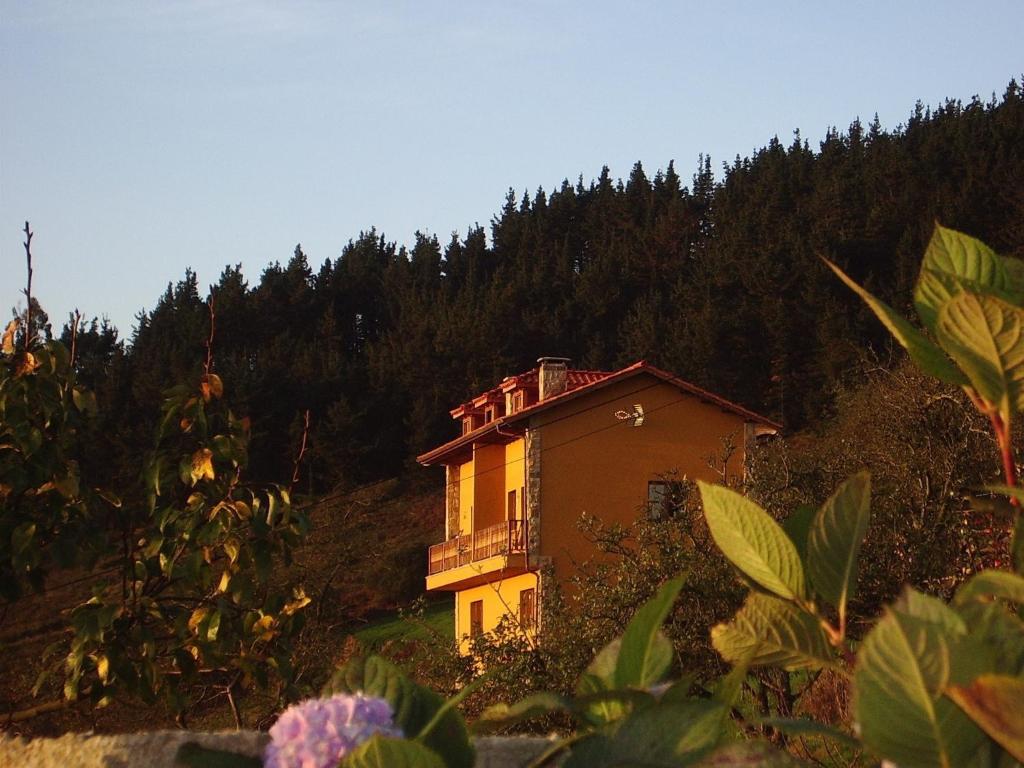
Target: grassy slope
(437,619)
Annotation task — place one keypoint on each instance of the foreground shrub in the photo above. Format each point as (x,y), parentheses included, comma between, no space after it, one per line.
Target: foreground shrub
(180,567)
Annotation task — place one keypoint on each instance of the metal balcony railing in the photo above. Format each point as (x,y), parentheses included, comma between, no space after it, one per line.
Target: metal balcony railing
(504,538)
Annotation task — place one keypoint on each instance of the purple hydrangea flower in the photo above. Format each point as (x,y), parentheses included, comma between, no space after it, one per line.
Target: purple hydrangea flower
(317,733)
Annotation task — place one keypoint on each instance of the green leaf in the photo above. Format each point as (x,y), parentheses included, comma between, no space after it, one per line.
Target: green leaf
(767,630)
(998,629)
(991,583)
(213,626)
(902,667)
(669,734)
(449,705)
(1012,491)
(21,537)
(600,673)
(600,676)
(679,690)
(193,755)
(996,703)
(66,483)
(646,654)
(925,354)
(413,705)
(798,527)
(953,262)
(835,539)
(85,400)
(983,335)
(921,606)
(382,752)
(753,541)
(603,707)
(726,689)
(500,716)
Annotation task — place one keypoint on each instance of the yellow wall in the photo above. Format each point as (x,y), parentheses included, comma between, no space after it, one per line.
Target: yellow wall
(499,597)
(515,475)
(467,481)
(596,464)
(484,483)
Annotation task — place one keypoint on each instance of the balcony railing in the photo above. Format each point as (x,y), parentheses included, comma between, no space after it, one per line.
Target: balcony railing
(502,539)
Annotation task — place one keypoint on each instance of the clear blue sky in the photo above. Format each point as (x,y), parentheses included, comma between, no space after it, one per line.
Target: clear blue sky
(143,137)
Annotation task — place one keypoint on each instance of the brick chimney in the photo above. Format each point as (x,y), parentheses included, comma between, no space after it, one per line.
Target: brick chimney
(552,376)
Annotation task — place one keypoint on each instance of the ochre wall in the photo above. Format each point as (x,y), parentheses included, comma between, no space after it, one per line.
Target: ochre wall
(490,485)
(594,463)
(498,598)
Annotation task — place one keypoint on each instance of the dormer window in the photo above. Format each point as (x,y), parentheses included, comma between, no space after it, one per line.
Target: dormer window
(489,412)
(467,425)
(518,401)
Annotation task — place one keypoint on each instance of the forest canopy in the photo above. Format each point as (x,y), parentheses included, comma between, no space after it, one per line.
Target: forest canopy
(717,279)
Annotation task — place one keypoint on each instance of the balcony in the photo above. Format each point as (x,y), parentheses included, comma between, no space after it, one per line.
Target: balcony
(473,558)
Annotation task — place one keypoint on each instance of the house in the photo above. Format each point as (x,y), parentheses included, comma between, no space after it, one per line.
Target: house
(544,447)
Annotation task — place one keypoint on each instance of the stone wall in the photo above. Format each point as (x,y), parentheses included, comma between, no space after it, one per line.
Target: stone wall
(157,749)
(451,504)
(532,495)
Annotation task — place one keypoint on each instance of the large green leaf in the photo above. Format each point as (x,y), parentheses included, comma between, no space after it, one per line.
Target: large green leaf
(767,630)
(992,583)
(996,703)
(726,690)
(835,538)
(798,527)
(911,602)
(925,354)
(1000,630)
(660,736)
(413,705)
(753,542)
(902,667)
(646,654)
(381,752)
(600,676)
(985,336)
(953,262)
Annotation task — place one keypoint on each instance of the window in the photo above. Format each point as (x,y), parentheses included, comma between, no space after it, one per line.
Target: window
(512,505)
(657,499)
(476,618)
(528,608)
(518,401)
(467,425)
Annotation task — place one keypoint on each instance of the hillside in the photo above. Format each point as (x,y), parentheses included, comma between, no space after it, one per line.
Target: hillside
(718,280)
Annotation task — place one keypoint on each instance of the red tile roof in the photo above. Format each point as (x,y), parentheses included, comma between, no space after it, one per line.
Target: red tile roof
(579,383)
